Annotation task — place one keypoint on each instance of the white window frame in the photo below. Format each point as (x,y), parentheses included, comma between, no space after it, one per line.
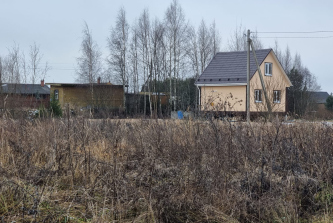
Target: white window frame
(277,96)
(258,96)
(268,69)
(56,94)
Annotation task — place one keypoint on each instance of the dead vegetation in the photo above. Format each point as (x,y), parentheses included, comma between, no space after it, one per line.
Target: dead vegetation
(77,170)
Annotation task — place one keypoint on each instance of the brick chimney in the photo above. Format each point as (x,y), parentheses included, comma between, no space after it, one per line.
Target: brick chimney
(42,83)
(98,80)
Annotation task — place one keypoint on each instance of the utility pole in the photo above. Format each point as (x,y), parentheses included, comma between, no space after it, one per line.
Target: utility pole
(262,82)
(269,107)
(248,78)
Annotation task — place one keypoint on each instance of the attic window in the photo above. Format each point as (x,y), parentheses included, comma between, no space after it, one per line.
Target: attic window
(238,79)
(220,79)
(204,79)
(268,69)
(228,79)
(198,79)
(211,79)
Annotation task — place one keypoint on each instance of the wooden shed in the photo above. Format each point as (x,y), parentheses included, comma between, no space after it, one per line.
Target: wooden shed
(94,95)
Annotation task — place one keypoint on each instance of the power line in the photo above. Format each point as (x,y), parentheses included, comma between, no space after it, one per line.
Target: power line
(295,37)
(298,32)
(52,68)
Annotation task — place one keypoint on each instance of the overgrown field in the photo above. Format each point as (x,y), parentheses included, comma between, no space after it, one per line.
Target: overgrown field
(77,170)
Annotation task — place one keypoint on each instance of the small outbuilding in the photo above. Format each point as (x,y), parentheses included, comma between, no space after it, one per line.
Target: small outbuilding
(88,95)
(14,95)
(318,98)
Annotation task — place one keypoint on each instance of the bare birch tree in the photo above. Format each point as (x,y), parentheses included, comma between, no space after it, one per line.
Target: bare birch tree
(36,70)
(277,51)
(192,51)
(238,40)
(117,43)
(13,65)
(144,51)
(89,63)
(157,58)
(257,43)
(216,38)
(176,34)
(193,56)
(286,61)
(35,60)
(205,45)
(134,60)
(25,69)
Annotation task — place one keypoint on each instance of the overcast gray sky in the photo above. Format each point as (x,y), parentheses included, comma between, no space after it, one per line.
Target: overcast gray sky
(56,26)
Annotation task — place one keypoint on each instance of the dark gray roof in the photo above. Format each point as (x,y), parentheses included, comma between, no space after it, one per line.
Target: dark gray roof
(230,67)
(24,89)
(319,96)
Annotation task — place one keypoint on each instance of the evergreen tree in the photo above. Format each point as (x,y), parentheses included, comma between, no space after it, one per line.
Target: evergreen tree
(55,108)
(329,103)
(294,93)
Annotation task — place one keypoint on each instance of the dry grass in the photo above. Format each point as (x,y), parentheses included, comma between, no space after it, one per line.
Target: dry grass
(79,170)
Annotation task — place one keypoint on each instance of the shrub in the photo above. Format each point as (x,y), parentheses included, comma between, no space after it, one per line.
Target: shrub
(164,171)
(55,108)
(329,103)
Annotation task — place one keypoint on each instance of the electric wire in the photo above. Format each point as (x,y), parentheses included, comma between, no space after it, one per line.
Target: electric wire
(294,37)
(293,32)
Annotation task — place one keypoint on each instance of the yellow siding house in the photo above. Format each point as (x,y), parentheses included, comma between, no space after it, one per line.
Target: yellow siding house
(223,83)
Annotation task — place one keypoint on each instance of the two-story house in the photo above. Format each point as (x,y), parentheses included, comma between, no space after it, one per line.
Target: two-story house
(222,85)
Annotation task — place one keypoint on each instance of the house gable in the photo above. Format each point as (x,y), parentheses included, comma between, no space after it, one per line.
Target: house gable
(275,84)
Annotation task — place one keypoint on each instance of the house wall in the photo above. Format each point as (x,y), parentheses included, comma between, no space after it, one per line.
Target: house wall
(214,98)
(111,96)
(223,98)
(275,82)
(14,101)
(321,107)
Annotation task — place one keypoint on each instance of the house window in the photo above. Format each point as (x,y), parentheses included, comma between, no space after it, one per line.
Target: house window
(257,96)
(37,96)
(268,69)
(56,95)
(276,96)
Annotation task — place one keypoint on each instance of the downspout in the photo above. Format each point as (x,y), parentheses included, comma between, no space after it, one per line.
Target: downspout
(199,98)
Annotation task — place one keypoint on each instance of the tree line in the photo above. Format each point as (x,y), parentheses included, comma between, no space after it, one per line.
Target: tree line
(16,67)
(160,55)
(150,52)
(299,96)
(157,55)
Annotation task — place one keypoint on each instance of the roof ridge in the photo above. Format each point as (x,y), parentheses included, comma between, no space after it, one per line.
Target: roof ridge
(242,51)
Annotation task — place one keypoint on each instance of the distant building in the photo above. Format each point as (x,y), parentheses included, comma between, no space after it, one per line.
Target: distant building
(222,85)
(318,98)
(24,95)
(94,95)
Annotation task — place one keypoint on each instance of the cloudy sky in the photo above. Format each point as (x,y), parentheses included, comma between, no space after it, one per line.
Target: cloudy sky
(56,26)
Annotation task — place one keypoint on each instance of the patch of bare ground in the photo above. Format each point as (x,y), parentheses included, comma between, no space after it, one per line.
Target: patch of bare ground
(79,170)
